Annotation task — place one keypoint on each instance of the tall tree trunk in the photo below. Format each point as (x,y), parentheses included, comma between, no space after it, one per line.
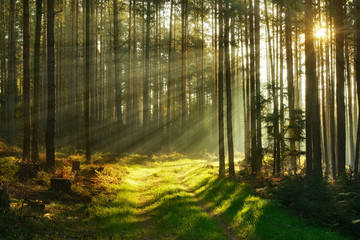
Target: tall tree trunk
(349,100)
(257,84)
(118,89)
(340,79)
(228,94)
(134,66)
(183,64)
(50,126)
(77,79)
(3,64)
(169,75)
(26,81)
(276,150)
(87,83)
(11,84)
(290,83)
(247,108)
(72,98)
(202,83)
(313,143)
(129,108)
(254,146)
(157,93)
(221,93)
(357,76)
(147,71)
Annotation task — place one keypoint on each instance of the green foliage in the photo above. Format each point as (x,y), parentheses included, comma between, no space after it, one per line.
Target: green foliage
(309,197)
(43,178)
(297,126)
(8,169)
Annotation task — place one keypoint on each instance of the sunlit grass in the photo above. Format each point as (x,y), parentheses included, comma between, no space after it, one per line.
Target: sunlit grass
(250,216)
(152,203)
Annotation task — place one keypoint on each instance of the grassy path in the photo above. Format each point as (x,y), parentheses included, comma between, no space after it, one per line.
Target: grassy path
(185,200)
(152,203)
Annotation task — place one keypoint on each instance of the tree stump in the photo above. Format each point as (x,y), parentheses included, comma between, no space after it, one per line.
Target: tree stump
(60,185)
(75,166)
(4,199)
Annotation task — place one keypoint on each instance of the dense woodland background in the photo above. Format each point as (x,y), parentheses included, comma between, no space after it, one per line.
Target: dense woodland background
(277,80)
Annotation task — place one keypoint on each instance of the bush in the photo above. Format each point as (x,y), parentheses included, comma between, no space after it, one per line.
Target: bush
(333,204)
(309,197)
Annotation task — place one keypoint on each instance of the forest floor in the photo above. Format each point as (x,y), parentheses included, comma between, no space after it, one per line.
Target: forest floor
(158,197)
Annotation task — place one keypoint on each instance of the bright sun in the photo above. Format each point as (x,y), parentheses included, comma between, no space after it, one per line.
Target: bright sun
(320,32)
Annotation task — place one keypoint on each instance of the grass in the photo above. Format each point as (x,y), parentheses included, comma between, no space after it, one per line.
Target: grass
(152,203)
(158,197)
(250,216)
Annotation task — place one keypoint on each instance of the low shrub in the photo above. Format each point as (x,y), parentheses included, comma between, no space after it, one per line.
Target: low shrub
(309,197)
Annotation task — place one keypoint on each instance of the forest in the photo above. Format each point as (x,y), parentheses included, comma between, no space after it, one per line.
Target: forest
(179,119)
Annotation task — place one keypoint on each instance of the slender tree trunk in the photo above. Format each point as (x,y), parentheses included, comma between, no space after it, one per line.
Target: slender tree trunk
(147,71)
(221,93)
(340,79)
(349,100)
(157,95)
(202,83)
(87,83)
(118,89)
(169,77)
(135,74)
(290,83)
(276,150)
(129,109)
(50,126)
(183,64)
(331,95)
(78,104)
(248,150)
(254,146)
(257,85)
(11,84)
(3,64)
(26,81)
(357,76)
(228,93)
(72,98)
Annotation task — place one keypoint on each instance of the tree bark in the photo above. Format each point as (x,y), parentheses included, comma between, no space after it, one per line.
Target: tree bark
(169,74)
(50,126)
(340,80)
(183,64)
(26,82)
(290,83)
(221,93)
(357,76)
(11,84)
(257,85)
(87,83)
(147,71)
(228,94)
(313,144)
(118,88)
